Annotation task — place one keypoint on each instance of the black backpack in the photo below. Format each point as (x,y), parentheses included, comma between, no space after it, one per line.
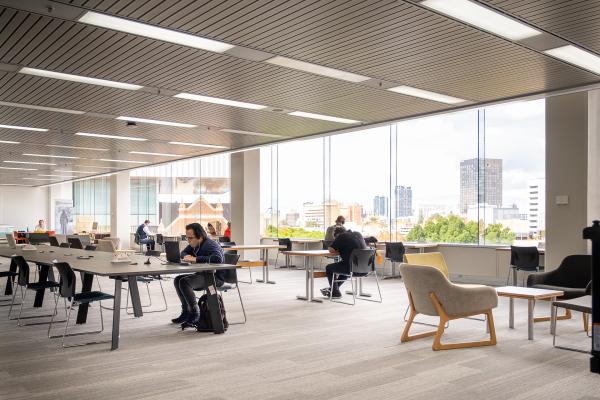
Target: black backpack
(205,323)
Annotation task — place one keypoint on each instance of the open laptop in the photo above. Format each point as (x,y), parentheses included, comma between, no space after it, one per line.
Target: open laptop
(10,239)
(173,254)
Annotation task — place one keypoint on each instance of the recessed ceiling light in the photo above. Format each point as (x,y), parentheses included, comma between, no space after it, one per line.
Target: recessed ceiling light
(324,117)
(23,128)
(29,162)
(483,17)
(156,122)
(76,147)
(110,136)
(78,78)
(42,108)
(155,154)
(20,169)
(250,133)
(122,161)
(576,56)
(153,32)
(60,176)
(426,94)
(49,156)
(317,69)
(216,100)
(212,146)
(9,142)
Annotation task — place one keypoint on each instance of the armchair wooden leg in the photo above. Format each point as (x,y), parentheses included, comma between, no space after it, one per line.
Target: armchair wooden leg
(543,319)
(406,337)
(586,323)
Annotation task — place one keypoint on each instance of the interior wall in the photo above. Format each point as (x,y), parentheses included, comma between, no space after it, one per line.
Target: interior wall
(593,179)
(22,207)
(63,191)
(245,200)
(120,208)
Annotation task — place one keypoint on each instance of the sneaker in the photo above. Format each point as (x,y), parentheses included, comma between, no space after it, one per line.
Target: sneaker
(336,293)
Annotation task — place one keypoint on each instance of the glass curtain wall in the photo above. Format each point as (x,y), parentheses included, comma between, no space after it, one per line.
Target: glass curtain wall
(91,202)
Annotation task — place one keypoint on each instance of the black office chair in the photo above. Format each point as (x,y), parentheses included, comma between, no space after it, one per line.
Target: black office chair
(54,241)
(65,245)
(231,281)
(75,243)
(224,239)
(38,238)
(160,241)
(24,285)
(90,247)
(523,259)
(362,264)
(10,281)
(394,251)
(136,239)
(67,292)
(287,242)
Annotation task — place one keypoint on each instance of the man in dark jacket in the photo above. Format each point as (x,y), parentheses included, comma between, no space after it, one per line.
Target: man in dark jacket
(343,244)
(144,235)
(201,249)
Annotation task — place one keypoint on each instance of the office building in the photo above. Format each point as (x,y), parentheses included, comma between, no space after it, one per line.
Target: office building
(381,206)
(402,201)
(537,207)
(480,182)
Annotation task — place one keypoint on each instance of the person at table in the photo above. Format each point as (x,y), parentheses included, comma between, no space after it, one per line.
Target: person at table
(227,232)
(144,235)
(40,227)
(200,249)
(211,230)
(344,242)
(339,222)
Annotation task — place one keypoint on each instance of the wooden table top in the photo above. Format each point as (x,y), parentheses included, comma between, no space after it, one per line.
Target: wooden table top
(309,253)
(306,240)
(100,263)
(253,247)
(527,293)
(541,251)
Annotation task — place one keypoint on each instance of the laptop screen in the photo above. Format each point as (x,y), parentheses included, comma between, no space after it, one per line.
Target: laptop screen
(172,250)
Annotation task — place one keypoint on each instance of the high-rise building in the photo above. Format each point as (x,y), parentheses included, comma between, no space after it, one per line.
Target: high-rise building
(380,206)
(537,206)
(403,201)
(480,182)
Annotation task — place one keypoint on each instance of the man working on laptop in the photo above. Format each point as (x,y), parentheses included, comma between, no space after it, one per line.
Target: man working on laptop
(201,249)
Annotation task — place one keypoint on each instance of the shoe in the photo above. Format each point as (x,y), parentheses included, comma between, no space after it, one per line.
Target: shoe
(336,293)
(182,318)
(191,321)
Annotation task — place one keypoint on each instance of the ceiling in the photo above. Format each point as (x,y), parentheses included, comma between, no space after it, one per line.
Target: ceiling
(392,42)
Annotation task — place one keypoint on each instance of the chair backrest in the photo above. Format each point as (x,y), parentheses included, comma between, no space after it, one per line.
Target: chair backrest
(67,245)
(54,241)
(362,261)
(90,247)
(136,238)
(85,239)
(106,245)
(575,271)
(394,251)
(39,237)
(420,281)
(433,259)
(23,278)
(527,258)
(230,275)
(160,239)
(75,243)
(287,242)
(327,244)
(10,239)
(67,279)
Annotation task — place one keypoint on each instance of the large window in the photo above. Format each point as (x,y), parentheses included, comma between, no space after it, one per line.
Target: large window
(91,200)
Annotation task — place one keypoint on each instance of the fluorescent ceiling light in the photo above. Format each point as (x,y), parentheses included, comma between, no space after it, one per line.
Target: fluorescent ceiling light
(60,176)
(23,128)
(49,156)
(483,17)
(29,162)
(78,78)
(250,133)
(94,166)
(76,147)
(40,179)
(122,161)
(21,169)
(212,146)
(217,100)
(317,69)
(576,56)
(155,154)
(110,136)
(14,184)
(156,122)
(76,172)
(153,32)
(426,94)
(42,108)
(324,117)
(9,142)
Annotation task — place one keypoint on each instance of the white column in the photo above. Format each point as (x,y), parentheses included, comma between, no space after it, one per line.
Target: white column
(593,179)
(245,199)
(119,208)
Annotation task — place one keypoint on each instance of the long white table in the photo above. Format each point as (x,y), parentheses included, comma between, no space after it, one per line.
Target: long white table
(100,264)
(264,256)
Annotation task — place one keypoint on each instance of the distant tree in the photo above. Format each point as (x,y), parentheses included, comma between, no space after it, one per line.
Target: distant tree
(455,229)
(293,232)
(496,233)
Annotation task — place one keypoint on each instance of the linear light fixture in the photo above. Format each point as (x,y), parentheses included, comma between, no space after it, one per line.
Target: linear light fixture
(122,161)
(50,156)
(317,69)
(78,78)
(23,128)
(9,142)
(94,166)
(76,172)
(40,179)
(324,117)
(211,146)
(426,94)
(14,184)
(42,108)
(156,122)
(20,169)
(155,154)
(576,56)
(483,17)
(76,147)
(110,136)
(250,133)
(153,32)
(216,100)
(29,162)
(60,176)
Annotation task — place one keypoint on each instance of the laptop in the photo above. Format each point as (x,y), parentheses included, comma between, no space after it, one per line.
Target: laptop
(173,254)
(11,241)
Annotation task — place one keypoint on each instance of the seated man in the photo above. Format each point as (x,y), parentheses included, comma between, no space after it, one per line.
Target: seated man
(344,242)
(144,234)
(339,222)
(201,249)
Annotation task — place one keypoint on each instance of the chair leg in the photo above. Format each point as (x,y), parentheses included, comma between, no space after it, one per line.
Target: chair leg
(406,337)
(586,322)
(561,317)
(13,301)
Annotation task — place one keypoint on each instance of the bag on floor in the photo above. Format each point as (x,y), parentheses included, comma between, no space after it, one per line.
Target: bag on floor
(205,323)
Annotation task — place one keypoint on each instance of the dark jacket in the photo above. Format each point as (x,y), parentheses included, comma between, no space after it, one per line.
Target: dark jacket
(140,231)
(345,242)
(208,252)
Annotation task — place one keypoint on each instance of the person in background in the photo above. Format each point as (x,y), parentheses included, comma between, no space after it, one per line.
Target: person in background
(227,232)
(201,249)
(339,222)
(40,227)
(211,230)
(144,234)
(343,244)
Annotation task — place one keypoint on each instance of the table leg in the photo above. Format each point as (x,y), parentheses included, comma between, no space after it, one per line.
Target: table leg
(511,313)
(530,304)
(264,256)
(86,286)
(212,302)
(552,316)
(9,282)
(310,266)
(515,280)
(134,293)
(116,315)
(42,277)
(307,272)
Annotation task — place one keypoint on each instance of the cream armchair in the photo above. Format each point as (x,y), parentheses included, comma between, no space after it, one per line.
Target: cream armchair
(431,293)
